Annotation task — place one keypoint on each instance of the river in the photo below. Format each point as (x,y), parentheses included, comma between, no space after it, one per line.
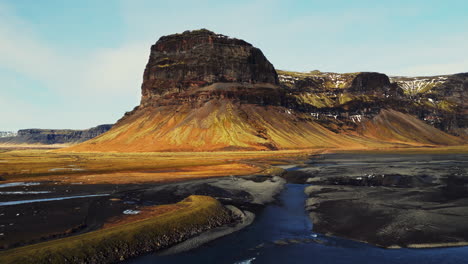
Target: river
(283,233)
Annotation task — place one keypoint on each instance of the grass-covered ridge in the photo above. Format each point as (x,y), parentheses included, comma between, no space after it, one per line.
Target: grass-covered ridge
(194,215)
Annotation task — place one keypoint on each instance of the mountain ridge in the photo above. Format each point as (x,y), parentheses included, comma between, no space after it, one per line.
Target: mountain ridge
(54,136)
(204,91)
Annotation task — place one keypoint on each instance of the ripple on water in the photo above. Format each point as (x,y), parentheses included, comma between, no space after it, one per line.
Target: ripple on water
(24,192)
(16,184)
(247,261)
(49,199)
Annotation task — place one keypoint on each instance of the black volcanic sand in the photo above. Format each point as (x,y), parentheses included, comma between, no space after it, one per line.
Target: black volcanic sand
(23,224)
(28,223)
(389,200)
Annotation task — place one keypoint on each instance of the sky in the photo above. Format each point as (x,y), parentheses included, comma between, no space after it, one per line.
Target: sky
(77,64)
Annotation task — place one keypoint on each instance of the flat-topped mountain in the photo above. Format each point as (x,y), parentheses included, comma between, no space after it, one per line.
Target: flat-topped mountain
(182,63)
(53,136)
(204,91)
(7,134)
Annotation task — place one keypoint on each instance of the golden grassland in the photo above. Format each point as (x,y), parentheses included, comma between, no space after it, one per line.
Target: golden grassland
(115,168)
(9,146)
(170,175)
(123,168)
(111,242)
(145,213)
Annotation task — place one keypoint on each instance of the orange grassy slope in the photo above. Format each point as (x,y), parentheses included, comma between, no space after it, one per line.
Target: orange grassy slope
(222,125)
(217,125)
(394,126)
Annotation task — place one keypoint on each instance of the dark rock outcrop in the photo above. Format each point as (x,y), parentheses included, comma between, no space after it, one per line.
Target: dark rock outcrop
(374,83)
(369,81)
(55,136)
(199,58)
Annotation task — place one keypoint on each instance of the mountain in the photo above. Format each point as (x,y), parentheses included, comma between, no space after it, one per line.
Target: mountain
(439,101)
(442,100)
(204,91)
(54,136)
(7,134)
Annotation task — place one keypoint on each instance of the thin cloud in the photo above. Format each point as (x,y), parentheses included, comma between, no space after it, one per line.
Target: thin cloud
(97,87)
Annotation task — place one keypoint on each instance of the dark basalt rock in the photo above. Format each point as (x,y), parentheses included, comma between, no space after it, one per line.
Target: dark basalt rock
(196,59)
(446,106)
(365,81)
(455,89)
(374,83)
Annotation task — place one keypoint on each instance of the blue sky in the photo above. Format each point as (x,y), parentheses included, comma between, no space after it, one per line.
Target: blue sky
(77,64)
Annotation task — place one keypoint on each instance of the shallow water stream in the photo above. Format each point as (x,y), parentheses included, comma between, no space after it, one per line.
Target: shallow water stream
(282,234)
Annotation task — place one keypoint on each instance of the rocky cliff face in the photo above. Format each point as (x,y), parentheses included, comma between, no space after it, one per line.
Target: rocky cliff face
(374,83)
(203,91)
(195,59)
(54,136)
(439,101)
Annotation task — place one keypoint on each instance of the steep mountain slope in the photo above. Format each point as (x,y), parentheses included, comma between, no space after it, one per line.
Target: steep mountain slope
(442,100)
(216,125)
(203,91)
(439,101)
(394,126)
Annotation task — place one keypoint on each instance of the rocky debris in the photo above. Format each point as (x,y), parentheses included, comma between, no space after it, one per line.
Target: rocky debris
(54,136)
